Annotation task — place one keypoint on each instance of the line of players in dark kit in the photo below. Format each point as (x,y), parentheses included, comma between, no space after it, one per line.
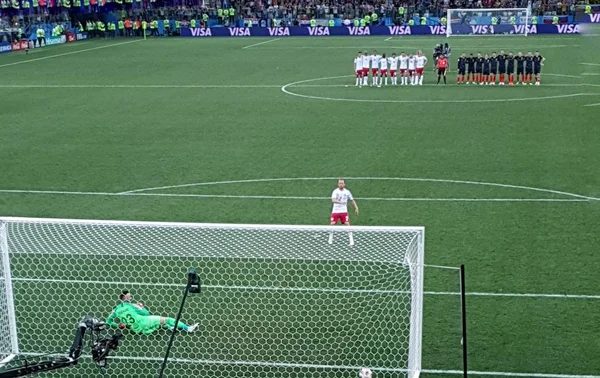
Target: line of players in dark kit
(489,69)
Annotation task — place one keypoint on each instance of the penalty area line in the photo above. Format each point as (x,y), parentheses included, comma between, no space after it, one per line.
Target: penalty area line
(309,198)
(68,53)
(261,43)
(598,104)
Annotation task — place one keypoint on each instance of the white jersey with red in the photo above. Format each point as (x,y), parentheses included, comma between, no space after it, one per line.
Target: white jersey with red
(403,64)
(366,60)
(383,65)
(421,60)
(340,210)
(358,64)
(375,63)
(411,64)
(393,65)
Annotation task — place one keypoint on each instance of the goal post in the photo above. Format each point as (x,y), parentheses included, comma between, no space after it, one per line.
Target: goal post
(9,345)
(277,300)
(488,22)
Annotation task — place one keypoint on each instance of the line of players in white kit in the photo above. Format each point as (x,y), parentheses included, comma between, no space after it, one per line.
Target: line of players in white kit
(409,67)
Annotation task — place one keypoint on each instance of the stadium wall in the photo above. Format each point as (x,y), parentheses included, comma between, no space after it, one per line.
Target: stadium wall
(321,31)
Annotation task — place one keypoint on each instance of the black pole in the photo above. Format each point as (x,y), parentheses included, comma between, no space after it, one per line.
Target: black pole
(185,293)
(463,305)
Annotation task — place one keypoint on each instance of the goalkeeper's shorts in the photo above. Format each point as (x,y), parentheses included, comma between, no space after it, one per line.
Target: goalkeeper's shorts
(147,324)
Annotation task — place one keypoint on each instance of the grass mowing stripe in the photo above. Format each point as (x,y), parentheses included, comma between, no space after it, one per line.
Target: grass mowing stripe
(309,289)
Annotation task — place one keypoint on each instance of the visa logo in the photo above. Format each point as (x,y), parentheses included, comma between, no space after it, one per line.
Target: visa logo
(437,30)
(239,32)
(359,30)
(279,31)
(567,29)
(399,30)
(318,30)
(201,32)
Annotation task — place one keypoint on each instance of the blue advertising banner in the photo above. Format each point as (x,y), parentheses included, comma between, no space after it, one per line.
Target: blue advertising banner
(82,36)
(593,18)
(377,30)
(5,47)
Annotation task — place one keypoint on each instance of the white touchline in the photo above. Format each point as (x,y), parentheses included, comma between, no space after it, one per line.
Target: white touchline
(388,38)
(261,43)
(590,64)
(598,104)
(309,289)
(68,53)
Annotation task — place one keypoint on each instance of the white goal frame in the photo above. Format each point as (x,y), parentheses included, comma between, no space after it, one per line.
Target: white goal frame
(483,10)
(413,261)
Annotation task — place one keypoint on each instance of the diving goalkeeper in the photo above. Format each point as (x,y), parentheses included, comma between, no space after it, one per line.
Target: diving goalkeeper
(138,319)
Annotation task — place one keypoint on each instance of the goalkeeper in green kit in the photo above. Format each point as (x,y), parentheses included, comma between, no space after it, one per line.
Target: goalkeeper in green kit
(138,319)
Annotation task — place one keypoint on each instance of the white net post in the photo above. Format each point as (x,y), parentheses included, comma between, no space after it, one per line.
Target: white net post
(9,344)
(276,302)
(488,22)
(415,257)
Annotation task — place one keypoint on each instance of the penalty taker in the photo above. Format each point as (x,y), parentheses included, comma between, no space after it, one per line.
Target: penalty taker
(138,319)
(340,198)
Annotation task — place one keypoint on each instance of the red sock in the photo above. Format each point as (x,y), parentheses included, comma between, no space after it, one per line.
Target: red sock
(511,78)
(457,79)
(502,78)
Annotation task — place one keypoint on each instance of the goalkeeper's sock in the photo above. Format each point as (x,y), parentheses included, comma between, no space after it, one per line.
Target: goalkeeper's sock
(182,326)
(444,79)
(439,78)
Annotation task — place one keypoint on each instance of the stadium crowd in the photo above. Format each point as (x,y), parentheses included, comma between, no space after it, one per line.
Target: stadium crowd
(24,17)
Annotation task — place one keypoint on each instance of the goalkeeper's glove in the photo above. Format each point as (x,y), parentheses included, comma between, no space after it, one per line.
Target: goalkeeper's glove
(122,326)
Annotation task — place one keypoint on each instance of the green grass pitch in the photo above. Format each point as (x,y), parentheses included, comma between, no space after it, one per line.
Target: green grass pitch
(81,124)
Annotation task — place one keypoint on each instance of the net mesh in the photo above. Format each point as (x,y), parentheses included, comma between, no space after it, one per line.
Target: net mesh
(488,22)
(275,301)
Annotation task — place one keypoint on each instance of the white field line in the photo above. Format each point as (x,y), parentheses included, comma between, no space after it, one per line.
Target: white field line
(407,45)
(591,64)
(409,179)
(308,289)
(134,86)
(590,74)
(332,367)
(598,104)
(261,43)
(388,38)
(68,53)
(561,75)
(233,86)
(287,198)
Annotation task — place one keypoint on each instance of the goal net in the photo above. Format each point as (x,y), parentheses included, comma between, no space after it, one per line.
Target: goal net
(276,301)
(500,21)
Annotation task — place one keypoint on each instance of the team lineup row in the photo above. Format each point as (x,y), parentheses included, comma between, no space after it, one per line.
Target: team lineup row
(479,69)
